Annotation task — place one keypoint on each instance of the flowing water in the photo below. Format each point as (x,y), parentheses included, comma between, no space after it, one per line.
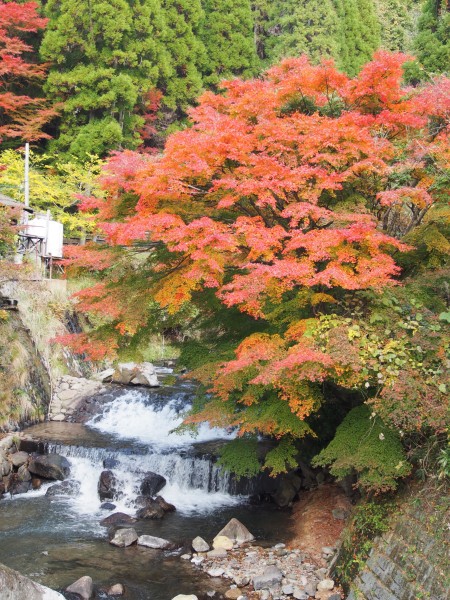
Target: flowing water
(57,539)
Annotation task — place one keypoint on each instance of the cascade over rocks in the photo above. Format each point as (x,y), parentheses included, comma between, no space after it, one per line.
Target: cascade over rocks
(50,466)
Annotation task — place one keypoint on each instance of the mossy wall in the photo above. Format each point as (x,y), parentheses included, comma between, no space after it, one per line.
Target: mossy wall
(411,561)
(24,380)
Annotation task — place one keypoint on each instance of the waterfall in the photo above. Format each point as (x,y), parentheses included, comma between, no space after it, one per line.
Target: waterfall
(194,483)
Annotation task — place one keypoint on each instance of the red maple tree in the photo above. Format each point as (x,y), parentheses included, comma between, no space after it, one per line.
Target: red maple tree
(286,191)
(22,116)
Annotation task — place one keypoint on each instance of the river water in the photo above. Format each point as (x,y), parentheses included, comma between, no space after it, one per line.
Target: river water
(55,540)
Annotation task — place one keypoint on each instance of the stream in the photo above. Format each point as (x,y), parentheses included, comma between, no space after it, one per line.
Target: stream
(57,539)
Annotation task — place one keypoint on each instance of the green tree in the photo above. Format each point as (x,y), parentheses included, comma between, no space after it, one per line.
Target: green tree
(186,51)
(396,21)
(359,33)
(106,56)
(432,44)
(227,33)
(303,27)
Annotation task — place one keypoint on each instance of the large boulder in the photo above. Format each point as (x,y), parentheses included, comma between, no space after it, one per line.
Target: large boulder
(150,541)
(18,459)
(152,484)
(107,485)
(236,531)
(104,376)
(124,373)
(135,374)
(124,537)
(50,466)
(146,375)
(83,587)
(14,586)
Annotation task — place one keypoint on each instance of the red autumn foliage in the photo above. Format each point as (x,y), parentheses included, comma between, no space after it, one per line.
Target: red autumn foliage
(22,116)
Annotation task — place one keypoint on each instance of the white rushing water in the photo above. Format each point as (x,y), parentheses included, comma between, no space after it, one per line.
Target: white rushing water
(194,483)
(130,416)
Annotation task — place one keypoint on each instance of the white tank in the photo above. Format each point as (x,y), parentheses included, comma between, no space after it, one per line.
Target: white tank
(51,232)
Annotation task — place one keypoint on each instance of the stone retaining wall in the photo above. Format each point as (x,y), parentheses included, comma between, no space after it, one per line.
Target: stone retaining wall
(411,562)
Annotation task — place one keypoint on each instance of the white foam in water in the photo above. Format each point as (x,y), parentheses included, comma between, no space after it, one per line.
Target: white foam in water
(129,417)
(194,484)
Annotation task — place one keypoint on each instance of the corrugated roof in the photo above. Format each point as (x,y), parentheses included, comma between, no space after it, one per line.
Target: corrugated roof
(7,201)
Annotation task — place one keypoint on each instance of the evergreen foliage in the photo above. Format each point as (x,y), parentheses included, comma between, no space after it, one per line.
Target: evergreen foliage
(105,56)
(227,33)
(186,52)
(303,27)
(432,44)
(396,22)
(358,35)
(363,444)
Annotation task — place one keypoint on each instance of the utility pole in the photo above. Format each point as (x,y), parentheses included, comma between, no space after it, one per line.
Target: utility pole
(27,180)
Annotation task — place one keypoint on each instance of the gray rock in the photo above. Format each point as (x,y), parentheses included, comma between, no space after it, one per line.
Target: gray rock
(6,443)
(116,590)
(215,572)
(197,560)
(5,468)
(325,585)
(14,586)
(270,577)
(300,594)
(124,373)
(339,514)
(24,474)
(186,556)
(19,458)
(146,375)
(50,466)
(83,587)
(150,541)
(287,589)
(124,538)
(199,544)
(241,580)
(236,531)
(311,588)
(104,376)
(66,488)
(217,553)
(185,597)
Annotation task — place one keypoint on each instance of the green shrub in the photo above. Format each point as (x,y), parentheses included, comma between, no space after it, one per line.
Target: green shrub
(364,445)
